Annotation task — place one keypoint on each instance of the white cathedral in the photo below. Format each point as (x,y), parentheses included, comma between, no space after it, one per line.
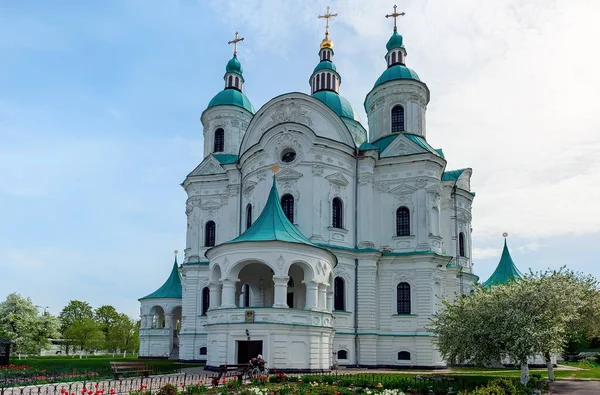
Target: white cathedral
(311,241)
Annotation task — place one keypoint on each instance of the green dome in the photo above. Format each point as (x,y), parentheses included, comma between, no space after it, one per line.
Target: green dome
(324,65)
(394,42)
(338,104)
(234,66)
(397,72)
(231,97)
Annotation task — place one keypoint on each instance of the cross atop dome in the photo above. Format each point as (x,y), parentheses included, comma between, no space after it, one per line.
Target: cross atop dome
(395,15)
(234,42)
(327,43)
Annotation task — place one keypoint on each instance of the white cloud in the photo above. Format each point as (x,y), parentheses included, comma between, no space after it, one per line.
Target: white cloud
(483,253)
(534,246)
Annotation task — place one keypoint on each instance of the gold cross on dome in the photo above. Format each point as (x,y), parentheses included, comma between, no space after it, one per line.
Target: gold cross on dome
(234,42)
(327,16)
(395,15)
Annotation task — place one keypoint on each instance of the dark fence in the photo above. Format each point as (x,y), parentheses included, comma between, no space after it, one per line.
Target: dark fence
(424,384)
(81,373)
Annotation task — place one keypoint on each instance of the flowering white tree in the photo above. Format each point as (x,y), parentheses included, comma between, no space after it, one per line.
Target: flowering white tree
(532,316)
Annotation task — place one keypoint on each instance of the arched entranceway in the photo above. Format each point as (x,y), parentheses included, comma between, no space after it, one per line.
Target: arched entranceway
(254,285)
(158,317)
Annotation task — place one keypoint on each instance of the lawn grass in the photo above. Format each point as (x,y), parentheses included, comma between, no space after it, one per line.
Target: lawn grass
(99,365)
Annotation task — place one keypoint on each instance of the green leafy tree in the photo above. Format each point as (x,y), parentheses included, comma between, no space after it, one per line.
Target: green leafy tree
(123,336)
(85,335)
(106,317)
(72,313)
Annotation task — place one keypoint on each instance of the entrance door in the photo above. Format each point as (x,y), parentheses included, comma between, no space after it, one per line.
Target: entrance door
(248,350)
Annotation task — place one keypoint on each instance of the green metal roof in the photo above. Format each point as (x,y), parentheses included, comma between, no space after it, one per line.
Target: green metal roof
(234,66)
(226,159)
(231,97)
(397,72)
(338,104)
(384,142)
(505,271)
(452,175)
(421,142)
(325,65)
(171,288)
(440,152)
(272,224)
(394,42)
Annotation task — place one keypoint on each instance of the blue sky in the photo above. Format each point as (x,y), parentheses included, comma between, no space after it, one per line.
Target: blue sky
(99,123)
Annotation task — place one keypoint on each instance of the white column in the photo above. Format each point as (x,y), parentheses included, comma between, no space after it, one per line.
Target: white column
(312,290)
(330,301)
(215,296)
(280,291)
(322,297)
(228,294)
(169,321)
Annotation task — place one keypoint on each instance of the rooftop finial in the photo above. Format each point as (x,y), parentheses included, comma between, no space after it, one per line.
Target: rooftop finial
(275,169)
(505,235)
(326,41)
(234,42)
(394,15)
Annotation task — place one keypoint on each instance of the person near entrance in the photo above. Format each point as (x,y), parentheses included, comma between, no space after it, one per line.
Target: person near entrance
(258,366)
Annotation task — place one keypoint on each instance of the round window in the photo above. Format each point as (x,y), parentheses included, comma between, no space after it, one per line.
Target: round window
(288,155)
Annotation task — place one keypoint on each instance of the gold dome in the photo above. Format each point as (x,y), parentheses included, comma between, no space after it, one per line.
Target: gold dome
(326,43)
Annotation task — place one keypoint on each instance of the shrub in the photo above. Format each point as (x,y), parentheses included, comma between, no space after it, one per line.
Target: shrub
(501,387)
(168,389)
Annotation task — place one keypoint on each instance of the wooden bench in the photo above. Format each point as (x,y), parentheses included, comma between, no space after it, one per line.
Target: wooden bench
(122,368)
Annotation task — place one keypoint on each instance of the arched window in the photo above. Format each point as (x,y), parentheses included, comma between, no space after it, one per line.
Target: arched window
(248,216)
(203,351)
(403,356)
(328,80)
(403,298)
(246,295)
(318,81)
(339,294)
(237,83)
(461,244)
(393,57)
(402,222)
(336,213)
(209,234)
(229,81)
(219,140)
(397,119)
(400,57)
(287,204)
(342,354)
(205,300)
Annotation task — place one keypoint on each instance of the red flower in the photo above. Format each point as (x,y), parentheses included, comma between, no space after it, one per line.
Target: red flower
(84,390)
(96,385)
